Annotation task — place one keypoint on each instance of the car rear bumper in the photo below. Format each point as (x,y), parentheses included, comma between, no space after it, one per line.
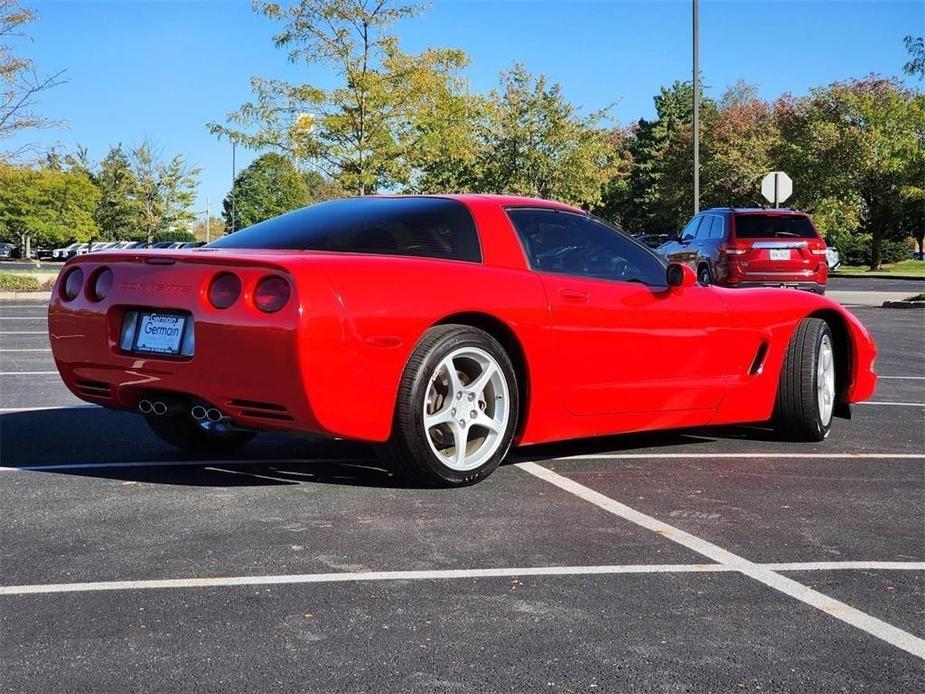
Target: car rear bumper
(245,363)
(249,373)
(815,287)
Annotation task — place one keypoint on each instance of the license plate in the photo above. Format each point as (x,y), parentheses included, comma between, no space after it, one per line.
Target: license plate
(780,254)
(160,333)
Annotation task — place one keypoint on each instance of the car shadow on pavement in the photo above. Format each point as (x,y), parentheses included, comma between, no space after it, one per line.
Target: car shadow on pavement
(119,445)
(687,440)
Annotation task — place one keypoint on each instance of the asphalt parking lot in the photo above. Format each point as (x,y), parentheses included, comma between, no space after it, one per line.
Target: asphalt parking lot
(694,561)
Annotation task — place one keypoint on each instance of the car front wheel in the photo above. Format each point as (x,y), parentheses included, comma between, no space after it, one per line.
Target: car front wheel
(806,393)
(457,408)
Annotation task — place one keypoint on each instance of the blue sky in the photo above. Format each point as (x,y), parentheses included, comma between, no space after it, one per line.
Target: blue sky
(163,69)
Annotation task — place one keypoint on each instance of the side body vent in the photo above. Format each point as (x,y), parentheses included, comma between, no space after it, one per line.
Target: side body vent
(94,389)
(261,410)
(758,362)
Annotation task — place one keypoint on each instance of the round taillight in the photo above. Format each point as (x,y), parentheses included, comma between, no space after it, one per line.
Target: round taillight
(271,294)
(101,284)
(224,290)
(73,281)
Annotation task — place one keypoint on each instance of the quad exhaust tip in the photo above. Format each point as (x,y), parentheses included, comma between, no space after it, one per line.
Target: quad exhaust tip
(157,407)
(212,414)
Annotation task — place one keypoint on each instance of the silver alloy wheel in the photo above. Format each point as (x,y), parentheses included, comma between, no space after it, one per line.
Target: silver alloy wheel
(466,408)
(825,380)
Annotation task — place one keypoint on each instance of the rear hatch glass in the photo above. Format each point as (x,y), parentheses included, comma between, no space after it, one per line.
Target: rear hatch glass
(767,226)
(426,227)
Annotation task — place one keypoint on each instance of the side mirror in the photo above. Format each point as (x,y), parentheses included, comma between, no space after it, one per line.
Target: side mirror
(680,275)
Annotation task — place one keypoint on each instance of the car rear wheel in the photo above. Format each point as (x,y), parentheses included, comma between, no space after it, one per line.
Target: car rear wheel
(182,431)
(457,408)
(806,392)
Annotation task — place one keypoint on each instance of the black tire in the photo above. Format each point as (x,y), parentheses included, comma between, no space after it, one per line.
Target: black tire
(704,276)
(409,451)
(182,431)
(797,416)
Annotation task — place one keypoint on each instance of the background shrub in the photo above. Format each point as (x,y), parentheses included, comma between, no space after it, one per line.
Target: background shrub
(18,283)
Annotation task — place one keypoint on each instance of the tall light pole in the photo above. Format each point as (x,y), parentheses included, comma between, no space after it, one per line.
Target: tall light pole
(233,175)
(696,124)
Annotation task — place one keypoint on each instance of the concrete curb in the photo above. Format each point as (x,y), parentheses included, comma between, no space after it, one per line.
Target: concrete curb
(904,304)
(25,296)
(877,276)
(862,298)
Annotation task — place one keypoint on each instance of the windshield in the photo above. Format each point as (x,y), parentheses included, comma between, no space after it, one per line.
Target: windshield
(773,226)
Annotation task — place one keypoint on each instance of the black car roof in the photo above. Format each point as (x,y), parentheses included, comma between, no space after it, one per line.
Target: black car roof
(755,210)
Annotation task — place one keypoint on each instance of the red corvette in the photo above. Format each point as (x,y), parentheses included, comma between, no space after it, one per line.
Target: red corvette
(447,328)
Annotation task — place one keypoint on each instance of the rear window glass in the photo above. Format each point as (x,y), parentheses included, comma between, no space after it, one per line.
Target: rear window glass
(425,227)
(766,226)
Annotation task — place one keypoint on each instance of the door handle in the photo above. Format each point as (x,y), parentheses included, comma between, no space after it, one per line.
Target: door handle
(574,296)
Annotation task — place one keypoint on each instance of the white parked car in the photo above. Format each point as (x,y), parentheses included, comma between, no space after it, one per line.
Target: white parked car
(832,258)
(69,251)
(103,246)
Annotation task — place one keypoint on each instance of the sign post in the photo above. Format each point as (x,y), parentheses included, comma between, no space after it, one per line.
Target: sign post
(776,187)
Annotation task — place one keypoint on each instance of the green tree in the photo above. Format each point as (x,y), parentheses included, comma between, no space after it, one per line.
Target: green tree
(215,229)
(659,193)
(741,136)
(915,66)
(20,83)
(362,132)
(536,143)
(270,186)
(47,207)
(79,160)
(321,188)
(116,213)
(163,190)
(857,147)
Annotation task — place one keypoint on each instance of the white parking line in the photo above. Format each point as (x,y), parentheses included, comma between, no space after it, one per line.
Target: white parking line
(27,373)
(425,575)
(848,565)
(856,618)
(894,404)
(743,456)
(206,464)
(14,410)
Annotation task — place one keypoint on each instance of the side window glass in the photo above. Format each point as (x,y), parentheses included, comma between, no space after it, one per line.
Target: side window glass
(690,231)
(703,231)
(572,244)
(716,231)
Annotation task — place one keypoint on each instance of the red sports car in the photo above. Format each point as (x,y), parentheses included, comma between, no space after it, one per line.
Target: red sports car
(447,328)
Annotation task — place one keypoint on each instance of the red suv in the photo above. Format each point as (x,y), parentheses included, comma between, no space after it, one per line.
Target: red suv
(752,248)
